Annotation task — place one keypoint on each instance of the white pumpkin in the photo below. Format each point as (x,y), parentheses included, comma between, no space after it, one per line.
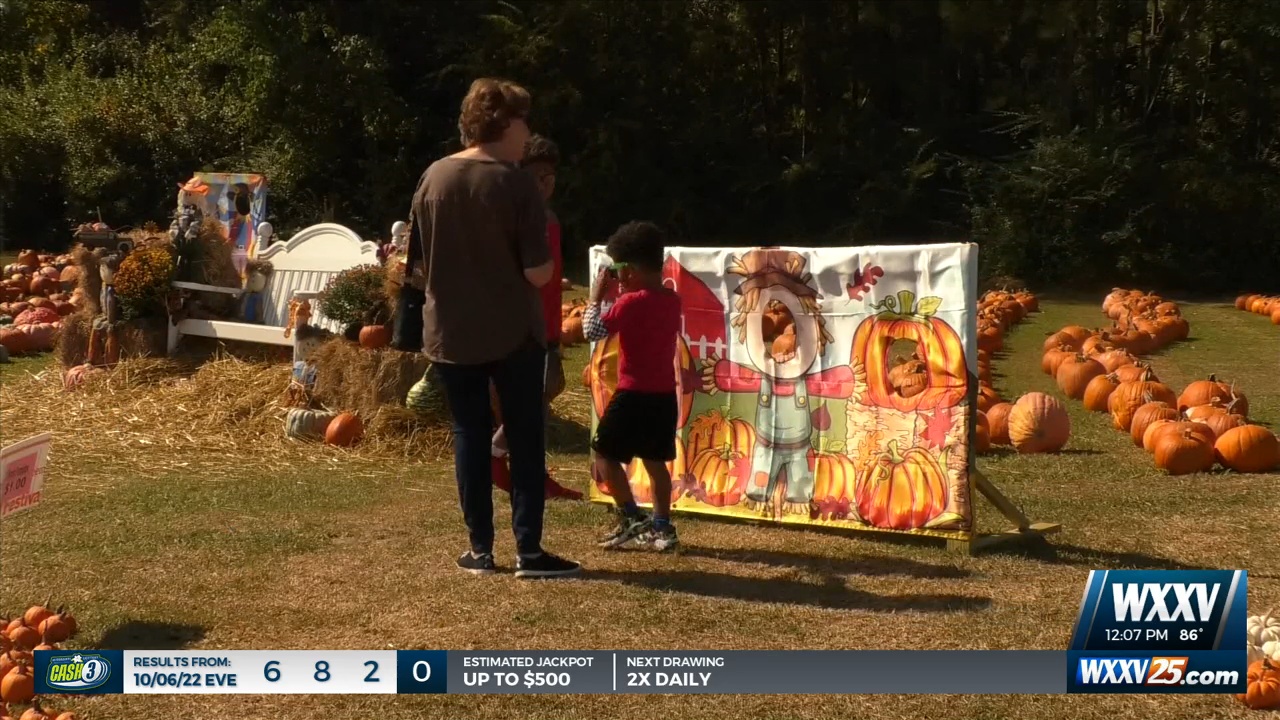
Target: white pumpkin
(1271,651)
(303,423)
(1262,629)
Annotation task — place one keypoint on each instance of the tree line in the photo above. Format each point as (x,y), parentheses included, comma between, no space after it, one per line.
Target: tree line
(1081,143)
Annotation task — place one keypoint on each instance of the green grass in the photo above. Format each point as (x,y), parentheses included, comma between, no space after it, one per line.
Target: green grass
(342,552)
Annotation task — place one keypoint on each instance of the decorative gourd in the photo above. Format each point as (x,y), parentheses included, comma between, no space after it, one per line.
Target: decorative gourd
(1262,691)
(37,315)
(302,423)
(1182,451)
(1074,374)
(998,423)
(344,430)
(1147,414)
(1263,628)
(902,490)
(1038,423)
(1248,449)
(373,337)
(1204,392)
(1098,392)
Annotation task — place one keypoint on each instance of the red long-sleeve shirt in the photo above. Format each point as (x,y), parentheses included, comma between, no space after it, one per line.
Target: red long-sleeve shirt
(551,292)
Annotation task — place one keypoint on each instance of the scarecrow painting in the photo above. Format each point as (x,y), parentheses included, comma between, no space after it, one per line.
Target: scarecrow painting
(779,323)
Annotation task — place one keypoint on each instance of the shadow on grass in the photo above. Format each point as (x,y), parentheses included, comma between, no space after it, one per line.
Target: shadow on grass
(866,565)
(832,594)
(567,436)
(1092,558)
(144,635)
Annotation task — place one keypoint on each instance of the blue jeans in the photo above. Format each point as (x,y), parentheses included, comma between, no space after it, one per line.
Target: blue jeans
(518,380)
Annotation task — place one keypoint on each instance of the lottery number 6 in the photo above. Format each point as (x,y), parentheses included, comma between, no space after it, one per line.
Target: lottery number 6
(271,671)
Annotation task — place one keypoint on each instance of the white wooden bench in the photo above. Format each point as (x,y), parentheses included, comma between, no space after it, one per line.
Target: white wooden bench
(301,268)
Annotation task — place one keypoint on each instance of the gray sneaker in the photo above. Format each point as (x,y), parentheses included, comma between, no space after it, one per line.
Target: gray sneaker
(628,530)
(660,539)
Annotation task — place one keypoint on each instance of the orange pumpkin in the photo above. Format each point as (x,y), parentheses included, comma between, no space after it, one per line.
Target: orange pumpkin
(1113,360)
(1248,449)
(1262,691)
(604,375)
(1136,371)
(1129,396)
(1060,341)
(344,430)
(998,422)
(904,319)
(987,398)
(29,258)
(1204,392)
(1038,423)
(375,336)
(1221,422)
(1152,432)
(1054,357)
(982,434)
(1098,392)
(721,475)
(642,484)
(1075,373)
(1147,414)
(18,685)
(902,490)
(1182,451)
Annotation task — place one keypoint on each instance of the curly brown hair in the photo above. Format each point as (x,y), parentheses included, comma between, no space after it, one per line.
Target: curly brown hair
(489,107)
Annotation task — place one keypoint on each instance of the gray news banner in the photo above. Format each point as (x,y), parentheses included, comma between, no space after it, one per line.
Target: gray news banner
(759,672)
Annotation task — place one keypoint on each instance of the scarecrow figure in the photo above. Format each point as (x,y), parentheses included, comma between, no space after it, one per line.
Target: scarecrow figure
(303,382)
(104,343)
(252,298)
(780,324)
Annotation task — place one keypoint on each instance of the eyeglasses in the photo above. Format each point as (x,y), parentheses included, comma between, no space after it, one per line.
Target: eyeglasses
(615,267)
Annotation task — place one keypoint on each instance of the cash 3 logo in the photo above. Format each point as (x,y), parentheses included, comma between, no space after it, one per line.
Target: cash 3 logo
(82,671)
(1148,671)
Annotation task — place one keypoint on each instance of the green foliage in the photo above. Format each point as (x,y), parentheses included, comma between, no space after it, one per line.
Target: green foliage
(1108,141)
(356,296)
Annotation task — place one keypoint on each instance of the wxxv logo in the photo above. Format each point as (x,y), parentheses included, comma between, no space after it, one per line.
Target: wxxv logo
(1160,630)
(1155,671)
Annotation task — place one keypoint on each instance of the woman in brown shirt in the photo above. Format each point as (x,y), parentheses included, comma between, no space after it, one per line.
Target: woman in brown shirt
(481,225)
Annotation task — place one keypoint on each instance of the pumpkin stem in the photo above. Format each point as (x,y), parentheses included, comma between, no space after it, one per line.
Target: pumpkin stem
(894,456)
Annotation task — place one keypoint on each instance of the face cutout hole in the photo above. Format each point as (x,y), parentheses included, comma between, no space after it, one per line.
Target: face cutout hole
(778,331)
(906,366)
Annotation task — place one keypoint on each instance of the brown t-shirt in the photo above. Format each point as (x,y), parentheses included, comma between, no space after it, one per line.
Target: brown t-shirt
(480,223)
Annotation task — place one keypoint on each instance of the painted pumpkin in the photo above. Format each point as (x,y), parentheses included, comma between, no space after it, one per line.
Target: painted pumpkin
(375,336)
(714,431)
(1248,449)
(1262,691)
(642,484)
(834,480)
(344,430)
(903,318)
(1038,423)
(302,423)
(902,490)
(604,375)
(721,475)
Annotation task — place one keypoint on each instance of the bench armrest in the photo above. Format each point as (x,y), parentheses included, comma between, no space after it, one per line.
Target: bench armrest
(198,287)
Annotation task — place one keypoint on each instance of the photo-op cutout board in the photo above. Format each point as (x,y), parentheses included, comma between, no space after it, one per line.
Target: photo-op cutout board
(819,386)
(238,201)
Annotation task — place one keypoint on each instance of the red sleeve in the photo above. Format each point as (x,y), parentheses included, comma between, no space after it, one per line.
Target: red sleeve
(616,316)
(732,377)
(551,292)
(836,382)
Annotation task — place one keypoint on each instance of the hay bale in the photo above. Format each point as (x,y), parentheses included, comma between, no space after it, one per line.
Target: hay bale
(90,281)
(140,338)
(373,383)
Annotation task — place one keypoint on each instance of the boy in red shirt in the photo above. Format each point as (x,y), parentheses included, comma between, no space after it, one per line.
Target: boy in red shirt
(541,158)
(640,421)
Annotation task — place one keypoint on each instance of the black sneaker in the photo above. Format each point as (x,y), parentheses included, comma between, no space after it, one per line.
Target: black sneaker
(628,530)
(545,565)
(661,539)
(477,564)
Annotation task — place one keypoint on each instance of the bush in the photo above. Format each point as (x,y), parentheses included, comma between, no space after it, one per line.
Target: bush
(142,282)
(356,296)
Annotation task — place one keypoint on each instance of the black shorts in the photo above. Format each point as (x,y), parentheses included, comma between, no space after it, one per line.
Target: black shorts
(638,425)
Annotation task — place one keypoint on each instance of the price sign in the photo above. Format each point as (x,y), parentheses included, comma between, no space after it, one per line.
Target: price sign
(22,474)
